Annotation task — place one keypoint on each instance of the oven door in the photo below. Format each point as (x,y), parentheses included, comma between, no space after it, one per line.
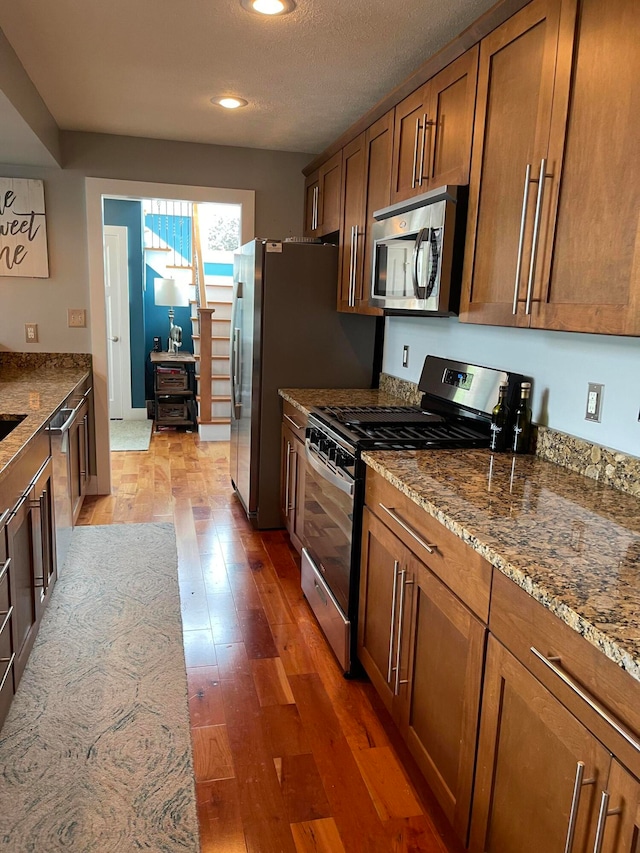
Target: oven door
(328,535)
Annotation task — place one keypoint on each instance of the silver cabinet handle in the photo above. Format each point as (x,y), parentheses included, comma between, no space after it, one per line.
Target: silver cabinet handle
(292,422)
(422,148)
(396,564)
(403,584)
(314,213)
(7,616)
(352,268)
(115,339)
(595,706)
(536,233)
(355,265)
(523,220)
(414,177)
(320,591)
(603,814)
(5,568)
(578,785)
(430,547)
(287,477)
(9,663)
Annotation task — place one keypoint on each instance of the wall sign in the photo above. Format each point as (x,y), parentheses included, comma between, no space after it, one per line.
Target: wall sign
(23,229)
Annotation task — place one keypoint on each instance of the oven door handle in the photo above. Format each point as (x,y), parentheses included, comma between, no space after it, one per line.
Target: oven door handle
(326,473)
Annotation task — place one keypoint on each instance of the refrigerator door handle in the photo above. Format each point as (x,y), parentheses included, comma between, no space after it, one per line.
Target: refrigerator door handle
(235,354)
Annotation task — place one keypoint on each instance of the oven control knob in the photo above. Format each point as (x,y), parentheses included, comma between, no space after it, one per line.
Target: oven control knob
(323,445)
(332,452)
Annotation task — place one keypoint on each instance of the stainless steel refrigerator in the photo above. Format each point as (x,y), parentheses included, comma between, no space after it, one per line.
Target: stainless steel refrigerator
(286,333)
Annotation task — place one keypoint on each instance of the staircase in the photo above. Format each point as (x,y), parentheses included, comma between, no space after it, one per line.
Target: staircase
(211,331)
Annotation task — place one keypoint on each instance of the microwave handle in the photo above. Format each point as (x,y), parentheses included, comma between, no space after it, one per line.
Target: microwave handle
(420,238)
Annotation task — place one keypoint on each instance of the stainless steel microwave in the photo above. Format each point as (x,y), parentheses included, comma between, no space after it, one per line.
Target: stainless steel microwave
(418,252)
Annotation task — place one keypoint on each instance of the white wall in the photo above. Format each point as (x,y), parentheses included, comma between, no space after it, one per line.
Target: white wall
(561,364)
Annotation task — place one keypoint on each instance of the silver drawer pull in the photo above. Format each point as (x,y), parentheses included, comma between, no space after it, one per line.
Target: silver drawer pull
(5,568)
(9,662)
(595,706)
(7,616)
(396,566)
(292,422)
(603,814)
(578,785)
(428,546)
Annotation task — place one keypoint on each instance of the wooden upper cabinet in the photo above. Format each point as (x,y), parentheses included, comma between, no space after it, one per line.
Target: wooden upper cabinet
(366,175)
(433,130)
(351,252)
(590,262)
(516,78)
(322,198)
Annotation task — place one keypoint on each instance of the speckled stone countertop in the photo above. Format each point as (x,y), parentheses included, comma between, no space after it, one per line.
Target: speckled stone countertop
(35,388)
(570,542)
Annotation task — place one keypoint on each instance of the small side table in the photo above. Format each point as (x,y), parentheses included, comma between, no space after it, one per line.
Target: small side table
(174,388)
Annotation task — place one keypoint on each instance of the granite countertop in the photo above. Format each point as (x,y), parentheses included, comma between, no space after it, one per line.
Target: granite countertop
(571,542)
(304,399)
(37,391)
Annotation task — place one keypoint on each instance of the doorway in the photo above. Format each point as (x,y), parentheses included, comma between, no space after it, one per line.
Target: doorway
(98,189)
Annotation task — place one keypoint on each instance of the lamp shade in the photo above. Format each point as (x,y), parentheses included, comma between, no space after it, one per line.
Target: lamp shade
(167,291)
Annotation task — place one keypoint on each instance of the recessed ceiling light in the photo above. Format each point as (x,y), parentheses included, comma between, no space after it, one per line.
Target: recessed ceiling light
(269,7)
(230,103)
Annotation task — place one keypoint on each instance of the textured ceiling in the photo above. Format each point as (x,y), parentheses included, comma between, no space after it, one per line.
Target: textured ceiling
(149,67)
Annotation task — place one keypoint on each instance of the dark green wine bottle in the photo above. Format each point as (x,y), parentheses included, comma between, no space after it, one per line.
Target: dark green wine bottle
(499,437)
(522,421)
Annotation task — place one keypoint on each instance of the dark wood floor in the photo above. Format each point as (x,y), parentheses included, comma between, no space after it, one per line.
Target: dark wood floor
(289,756)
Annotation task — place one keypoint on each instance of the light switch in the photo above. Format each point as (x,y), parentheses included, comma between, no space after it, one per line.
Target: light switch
(77,318)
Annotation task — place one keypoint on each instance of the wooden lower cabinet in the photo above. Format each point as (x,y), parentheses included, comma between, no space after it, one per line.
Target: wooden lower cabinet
(423,650)
(31,549)
(528,796)
(621,829)
(292,469)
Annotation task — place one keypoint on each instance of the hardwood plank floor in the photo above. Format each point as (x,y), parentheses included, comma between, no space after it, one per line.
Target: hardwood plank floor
(289,756)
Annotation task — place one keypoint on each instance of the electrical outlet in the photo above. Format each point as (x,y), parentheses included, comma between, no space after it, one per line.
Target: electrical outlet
(594,402)
(405,356)
(77,318)
(31,333)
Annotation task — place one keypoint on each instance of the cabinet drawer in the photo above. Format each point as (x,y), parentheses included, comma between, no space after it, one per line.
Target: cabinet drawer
(294,419)
(172,410)
(463,570)
(522,623)
(6,648)
(169,380)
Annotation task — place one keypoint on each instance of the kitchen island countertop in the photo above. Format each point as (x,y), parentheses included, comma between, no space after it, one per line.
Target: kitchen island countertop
(569,541)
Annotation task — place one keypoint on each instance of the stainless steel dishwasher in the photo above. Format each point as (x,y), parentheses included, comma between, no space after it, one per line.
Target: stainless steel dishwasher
(59,427)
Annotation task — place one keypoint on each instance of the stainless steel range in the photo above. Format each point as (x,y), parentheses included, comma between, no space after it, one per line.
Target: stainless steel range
(455,412)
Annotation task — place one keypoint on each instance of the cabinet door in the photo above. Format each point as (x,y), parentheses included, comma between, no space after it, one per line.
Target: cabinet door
(7,657)
(452,98)
(441,700)
(383,559)
(591,278)
(409,145)
(20,543)
(43,535)
(330,179)
(351,253)
(311,194)
(511,133)
(379,151)
(531,750)
(288,478)
(621,829)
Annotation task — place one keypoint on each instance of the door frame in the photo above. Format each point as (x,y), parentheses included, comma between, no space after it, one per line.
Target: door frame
(95,190)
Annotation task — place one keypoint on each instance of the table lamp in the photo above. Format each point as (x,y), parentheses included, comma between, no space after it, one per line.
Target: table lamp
(167,291)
